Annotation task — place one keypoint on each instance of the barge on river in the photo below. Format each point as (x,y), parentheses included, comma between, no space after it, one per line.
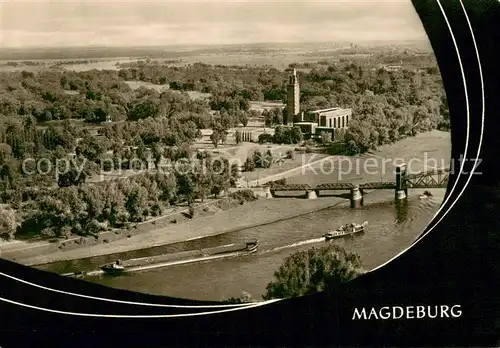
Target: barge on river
(151,262)
(346,230)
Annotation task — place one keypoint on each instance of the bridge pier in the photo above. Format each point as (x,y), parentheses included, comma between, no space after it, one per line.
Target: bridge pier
(311,194)
(268,193)
(356,197)
(400,195)
(401,191)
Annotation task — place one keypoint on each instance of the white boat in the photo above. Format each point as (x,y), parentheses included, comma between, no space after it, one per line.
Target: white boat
(345,230)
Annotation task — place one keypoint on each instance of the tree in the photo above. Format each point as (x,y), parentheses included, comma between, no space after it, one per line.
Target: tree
(249,165)
(204,185)
(243,118)
(91,148)
(326,137)
(273,117)
(268,159)
(258,159)
(223,136)
(137,203)
(287,135)
(9,172)
(313,270)
(235,171)
(65,231)
(5,152)
(295,135)
(221,175)
(338,135)
(92,196)
(219,184)
(265,138)
(187,187)
(352,148)
(167,185)
(8,223)
(237,137)
(71,178)
(215,138)
(143,153)
(115,211)
(144,109)
(157,152)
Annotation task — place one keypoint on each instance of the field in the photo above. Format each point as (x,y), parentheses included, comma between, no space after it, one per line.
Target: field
(138,84)
(265,105)
(194,95)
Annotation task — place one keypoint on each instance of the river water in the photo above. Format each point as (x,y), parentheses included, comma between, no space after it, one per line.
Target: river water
(392,228)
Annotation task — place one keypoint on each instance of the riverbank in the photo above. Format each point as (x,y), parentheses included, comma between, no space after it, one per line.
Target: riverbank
(21,249)
(249,215)
(170,215)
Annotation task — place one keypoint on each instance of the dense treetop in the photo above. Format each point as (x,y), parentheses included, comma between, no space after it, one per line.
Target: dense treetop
(316,269)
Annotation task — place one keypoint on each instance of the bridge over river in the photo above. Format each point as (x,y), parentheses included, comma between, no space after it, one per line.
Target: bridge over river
(428,179)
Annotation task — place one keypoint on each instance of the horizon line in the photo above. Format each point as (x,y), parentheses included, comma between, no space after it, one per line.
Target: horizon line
(220,44)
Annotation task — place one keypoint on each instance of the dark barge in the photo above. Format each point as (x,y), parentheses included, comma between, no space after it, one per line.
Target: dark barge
(164,260)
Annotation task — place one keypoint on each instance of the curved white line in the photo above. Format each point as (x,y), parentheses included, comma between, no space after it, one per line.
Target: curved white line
(124,302)
(482,110)
(483,99)
(133,316)
(468,121)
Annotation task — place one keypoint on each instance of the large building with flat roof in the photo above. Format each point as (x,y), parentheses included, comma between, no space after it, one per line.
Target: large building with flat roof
(313,122)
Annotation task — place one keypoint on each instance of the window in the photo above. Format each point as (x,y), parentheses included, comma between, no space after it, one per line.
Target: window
(334,123)
(347,121)
(323,121)
(330,123)
(343,119)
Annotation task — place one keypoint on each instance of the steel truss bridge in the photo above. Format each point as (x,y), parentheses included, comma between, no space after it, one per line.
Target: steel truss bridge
(429,179)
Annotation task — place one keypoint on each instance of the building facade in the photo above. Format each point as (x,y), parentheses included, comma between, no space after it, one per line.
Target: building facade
(313,123)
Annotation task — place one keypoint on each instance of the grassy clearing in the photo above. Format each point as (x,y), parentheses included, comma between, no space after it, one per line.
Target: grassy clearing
(137,84)
(288,164)
(265,105)
(380,165)
(195,95)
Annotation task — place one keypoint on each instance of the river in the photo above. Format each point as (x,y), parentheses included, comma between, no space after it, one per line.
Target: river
(392,227)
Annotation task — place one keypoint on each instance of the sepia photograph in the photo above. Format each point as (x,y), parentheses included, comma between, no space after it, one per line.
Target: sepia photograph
(234,151)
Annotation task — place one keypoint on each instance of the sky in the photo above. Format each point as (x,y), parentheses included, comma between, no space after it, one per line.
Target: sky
(125,23)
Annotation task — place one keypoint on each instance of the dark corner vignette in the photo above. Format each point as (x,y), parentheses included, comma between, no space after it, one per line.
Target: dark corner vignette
(440,291)
(456,265)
